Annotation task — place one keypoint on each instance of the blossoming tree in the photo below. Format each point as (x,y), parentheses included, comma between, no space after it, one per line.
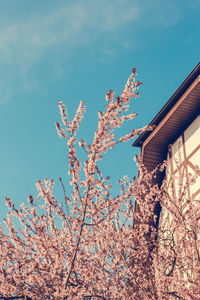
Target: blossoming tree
(92,245)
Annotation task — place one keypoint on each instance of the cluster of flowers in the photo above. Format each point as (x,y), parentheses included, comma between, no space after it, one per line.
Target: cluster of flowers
(93,245)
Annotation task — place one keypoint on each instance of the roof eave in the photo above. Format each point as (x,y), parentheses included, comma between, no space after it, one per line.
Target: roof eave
(169,104)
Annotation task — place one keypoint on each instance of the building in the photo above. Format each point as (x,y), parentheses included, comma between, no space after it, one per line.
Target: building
(176,124)
(176,138)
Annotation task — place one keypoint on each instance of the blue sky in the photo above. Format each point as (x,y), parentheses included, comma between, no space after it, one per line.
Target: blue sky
(77,50)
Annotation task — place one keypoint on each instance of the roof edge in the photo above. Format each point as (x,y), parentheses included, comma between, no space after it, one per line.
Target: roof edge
(169,104)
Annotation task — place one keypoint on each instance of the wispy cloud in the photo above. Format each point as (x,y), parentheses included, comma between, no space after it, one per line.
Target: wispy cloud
(23,43)
(69,24)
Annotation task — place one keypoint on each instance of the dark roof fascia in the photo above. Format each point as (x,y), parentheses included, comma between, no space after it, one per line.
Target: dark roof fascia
(169,104)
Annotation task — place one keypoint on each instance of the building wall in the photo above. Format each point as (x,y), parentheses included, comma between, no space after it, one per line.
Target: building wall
(183,187)
(183,161)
